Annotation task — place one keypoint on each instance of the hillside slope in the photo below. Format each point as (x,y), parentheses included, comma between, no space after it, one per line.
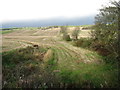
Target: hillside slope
(74,65)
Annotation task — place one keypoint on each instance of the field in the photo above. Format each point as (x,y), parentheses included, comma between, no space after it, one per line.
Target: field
(19,38)
(54,63)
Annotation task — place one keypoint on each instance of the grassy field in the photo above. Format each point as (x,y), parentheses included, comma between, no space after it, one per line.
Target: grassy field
(54,63)
(7,31)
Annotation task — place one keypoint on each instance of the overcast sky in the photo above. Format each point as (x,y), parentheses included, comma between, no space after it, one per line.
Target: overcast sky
(14,10)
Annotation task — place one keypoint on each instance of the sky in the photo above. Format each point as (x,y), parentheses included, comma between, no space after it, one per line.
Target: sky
(18,10)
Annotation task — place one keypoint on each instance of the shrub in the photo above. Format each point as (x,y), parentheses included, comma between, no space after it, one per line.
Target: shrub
(66,37)
(83,42)
(105,34)
(75,33)
(63,29)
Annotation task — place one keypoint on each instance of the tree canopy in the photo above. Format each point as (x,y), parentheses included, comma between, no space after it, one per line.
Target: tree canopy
(107,30)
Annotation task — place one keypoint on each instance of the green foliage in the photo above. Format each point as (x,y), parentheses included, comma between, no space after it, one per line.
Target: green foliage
(51,60)
(14,57)
(64,33)
(91,75)
(21,68)
(6,31)
(17,63)
(105,34)
(55,26)
(66,37)
(83,42)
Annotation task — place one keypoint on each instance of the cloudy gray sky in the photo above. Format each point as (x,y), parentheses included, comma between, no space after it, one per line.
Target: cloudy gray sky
(14,10)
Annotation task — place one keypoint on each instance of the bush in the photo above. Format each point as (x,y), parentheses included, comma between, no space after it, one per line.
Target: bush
(66,37)
(105,34)
(75,33)
(83,42)
(63,29)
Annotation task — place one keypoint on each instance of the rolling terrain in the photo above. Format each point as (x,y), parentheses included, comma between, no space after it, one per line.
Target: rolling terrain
(19,38)
(75,65)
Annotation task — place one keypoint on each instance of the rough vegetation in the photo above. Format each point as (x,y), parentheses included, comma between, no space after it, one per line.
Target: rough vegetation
(75,33)
(64,33)
(40,58)
(31,68)
(105,34)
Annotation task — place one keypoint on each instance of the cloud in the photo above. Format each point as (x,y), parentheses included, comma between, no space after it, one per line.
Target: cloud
(13,10)
(51,22)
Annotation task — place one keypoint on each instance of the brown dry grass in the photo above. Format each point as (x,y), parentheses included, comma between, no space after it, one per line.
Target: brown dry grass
(48,55)
(19,38)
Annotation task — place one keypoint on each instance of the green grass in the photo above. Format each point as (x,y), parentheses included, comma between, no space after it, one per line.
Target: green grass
(14,57)
(104,75)
(80,25)
(86,25)
(9,30)
(21,62)
(61,68)
(25,62)
(6,31)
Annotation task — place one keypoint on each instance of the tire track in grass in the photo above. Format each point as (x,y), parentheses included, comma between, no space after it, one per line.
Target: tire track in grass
(69,56)
(61,56)
(64,51)
(84,55)
(65,59)
(69,62)
(59,53)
